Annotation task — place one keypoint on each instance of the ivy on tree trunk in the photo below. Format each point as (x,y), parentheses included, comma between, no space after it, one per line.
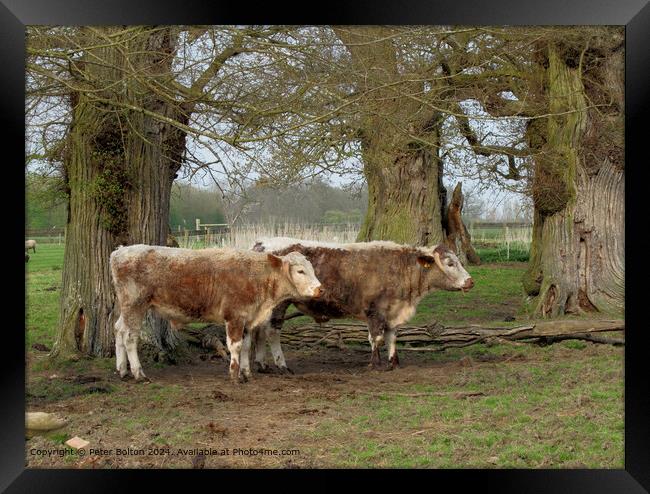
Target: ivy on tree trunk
(119,168)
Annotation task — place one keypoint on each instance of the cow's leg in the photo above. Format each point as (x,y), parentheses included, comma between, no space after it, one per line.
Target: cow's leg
(130,328)
(273,335)
(376,329)
(234,337)
(245,367)
(259,335)
(376,340)
(120,348)
(390,336)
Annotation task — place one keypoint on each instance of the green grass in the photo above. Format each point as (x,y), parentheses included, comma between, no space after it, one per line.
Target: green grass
(497,294)
(555,406)
(43,273)
(58,437)
(560,413)
(52,390)
(48,257)
(500,253)
(163,414)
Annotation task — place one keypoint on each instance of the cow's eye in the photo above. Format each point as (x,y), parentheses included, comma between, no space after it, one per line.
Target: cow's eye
(301,272)
(450,263)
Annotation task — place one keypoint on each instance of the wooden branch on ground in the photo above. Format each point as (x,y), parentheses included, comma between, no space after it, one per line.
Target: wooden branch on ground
(437,337)
(433,337)
(456,394)
(209,337)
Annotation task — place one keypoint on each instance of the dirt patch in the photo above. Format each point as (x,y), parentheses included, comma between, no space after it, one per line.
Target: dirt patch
(55,388)
(219,396)
(192,416)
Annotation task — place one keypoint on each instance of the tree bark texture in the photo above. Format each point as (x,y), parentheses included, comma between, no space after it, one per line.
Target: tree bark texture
(458,238)
(438,337)
(400,142)
(119,166)
(405,195)
(577,253)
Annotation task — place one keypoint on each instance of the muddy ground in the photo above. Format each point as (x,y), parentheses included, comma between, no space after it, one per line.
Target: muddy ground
(192,416)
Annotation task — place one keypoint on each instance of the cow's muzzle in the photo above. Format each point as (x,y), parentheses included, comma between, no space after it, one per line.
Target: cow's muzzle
(468,285)
(317,292)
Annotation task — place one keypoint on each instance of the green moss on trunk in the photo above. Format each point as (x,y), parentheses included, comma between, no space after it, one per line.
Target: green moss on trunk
(119,189)
(576,260)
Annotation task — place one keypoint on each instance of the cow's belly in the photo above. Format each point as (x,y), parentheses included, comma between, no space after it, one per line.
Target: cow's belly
(172,313)
(181,315)
(262,315)
(322,311)
(400,313)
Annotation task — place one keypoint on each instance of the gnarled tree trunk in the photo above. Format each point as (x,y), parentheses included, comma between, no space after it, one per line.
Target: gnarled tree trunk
(458,238)
(406,197)
(119,167)
(577,254)
(400,141)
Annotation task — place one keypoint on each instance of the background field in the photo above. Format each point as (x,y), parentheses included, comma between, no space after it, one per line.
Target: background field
(499,406)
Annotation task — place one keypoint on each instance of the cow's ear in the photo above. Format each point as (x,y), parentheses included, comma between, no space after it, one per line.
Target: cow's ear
(426,261)
(286,267)
(275,261)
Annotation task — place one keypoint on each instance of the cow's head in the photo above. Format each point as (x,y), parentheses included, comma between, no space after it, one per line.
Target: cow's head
(444,268)
(300,273)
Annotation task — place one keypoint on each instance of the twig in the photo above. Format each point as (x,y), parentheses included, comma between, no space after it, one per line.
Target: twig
(455,394)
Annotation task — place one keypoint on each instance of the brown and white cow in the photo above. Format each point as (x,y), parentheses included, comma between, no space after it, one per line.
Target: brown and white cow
(379,282)
(212,285)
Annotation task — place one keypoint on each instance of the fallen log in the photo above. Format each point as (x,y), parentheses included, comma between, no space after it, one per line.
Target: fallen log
(437,337)
(210,337)
(433,337)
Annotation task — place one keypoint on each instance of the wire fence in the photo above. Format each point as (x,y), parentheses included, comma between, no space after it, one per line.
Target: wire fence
(515,235)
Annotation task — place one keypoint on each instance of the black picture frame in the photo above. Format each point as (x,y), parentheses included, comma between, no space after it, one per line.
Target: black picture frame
(634,14)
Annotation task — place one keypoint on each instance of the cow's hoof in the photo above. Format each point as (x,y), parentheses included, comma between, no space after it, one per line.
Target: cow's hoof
(242,379)
(141,377)
(284,370)
(393,364)
(123,376)
(374,366)
(261,368)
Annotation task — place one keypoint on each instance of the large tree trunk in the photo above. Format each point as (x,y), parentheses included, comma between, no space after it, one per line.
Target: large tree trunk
(400,141)
(406,197)
(577,254)
(119,165)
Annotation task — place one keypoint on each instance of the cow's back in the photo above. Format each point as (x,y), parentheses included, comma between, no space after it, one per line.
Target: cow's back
(187,284)
(355,280)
